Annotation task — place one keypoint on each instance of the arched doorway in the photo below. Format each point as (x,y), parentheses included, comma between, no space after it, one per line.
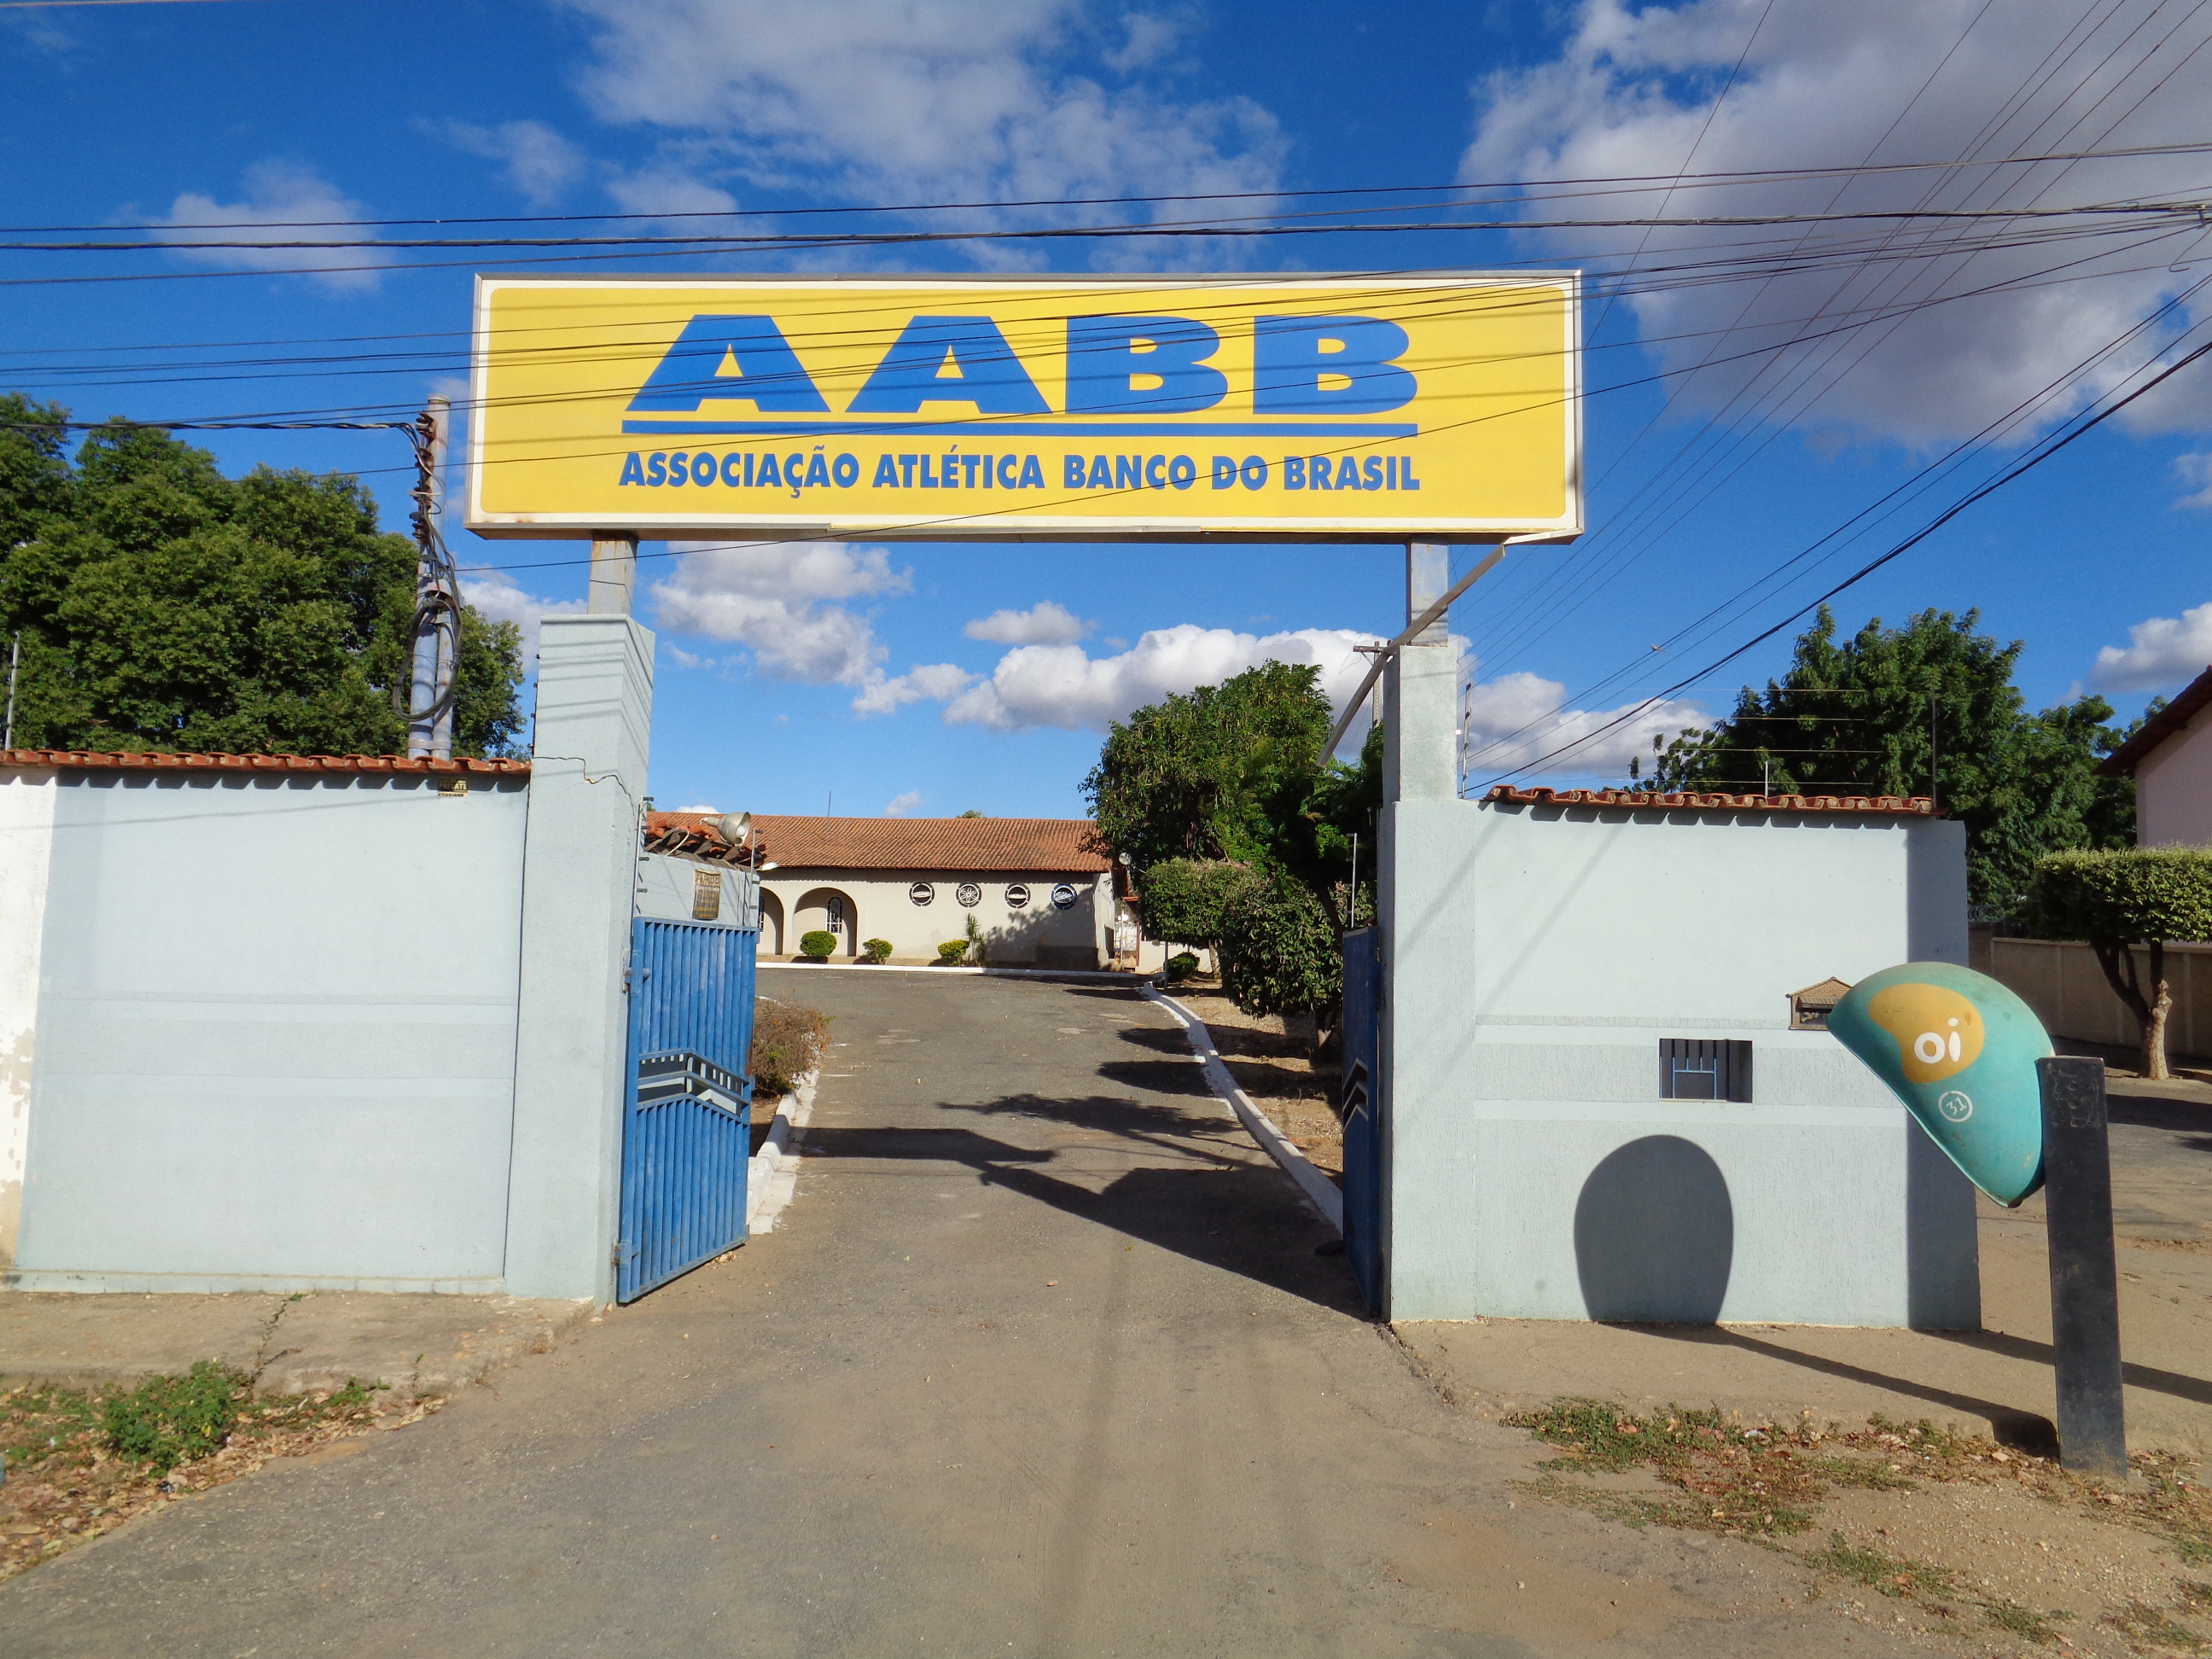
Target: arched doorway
(771,924)
(831,911)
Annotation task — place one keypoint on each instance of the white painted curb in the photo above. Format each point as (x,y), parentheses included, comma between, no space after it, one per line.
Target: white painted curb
(772,1178)
(1113,974)
(1320,1191)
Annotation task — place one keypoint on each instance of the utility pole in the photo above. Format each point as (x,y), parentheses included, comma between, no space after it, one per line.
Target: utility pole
(437,595)
(15,663)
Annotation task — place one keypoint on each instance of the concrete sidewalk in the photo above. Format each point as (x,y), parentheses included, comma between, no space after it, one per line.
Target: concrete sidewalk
(1044,1364)
(422,1344)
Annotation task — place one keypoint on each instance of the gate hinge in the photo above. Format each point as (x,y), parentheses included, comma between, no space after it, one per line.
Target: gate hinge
(625,1252)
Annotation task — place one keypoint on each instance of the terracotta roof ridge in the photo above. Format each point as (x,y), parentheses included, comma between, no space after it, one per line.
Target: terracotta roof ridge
(1543,795)
(149,760)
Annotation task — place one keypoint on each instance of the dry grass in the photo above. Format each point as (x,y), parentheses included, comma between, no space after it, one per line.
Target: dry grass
(1989,1519)
(67,1480)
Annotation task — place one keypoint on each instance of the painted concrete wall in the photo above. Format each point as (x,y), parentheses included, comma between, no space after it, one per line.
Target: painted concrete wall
(1539,954)
(579,892)
(669,887)
(2173,788)
(876,906)
(27,824)
(2068,992)
(275,1033)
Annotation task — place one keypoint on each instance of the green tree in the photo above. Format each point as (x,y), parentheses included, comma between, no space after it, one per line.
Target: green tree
(161,606)
(1232,777)
(1187,900)
(1897,711)
(2117,901)
(1280,951)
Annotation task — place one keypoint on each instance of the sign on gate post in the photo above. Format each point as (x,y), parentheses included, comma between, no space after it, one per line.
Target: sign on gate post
(1092,409)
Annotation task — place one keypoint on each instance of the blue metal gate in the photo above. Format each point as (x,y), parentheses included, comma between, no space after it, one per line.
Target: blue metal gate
(687,1135)
(1361,1108)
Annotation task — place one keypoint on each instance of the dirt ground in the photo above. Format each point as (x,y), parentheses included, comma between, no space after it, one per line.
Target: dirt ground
(1277,1071)
(1965,1535)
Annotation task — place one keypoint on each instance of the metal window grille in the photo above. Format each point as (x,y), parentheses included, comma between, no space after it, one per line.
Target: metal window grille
(1704,1068)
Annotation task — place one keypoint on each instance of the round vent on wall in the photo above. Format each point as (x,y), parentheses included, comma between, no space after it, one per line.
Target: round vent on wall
(922,892)
(1016,896)
(969,895)
(1063,897)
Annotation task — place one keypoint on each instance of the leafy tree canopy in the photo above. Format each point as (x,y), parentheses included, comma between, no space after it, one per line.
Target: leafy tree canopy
(1185,899)
(2115,901)
(160,605)
(1890,710)
(1240,830)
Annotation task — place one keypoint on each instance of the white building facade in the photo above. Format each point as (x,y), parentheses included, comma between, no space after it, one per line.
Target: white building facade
(1041,897)
(2172,761)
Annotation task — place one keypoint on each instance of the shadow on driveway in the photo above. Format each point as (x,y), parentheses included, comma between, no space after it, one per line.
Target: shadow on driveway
(1228,1213)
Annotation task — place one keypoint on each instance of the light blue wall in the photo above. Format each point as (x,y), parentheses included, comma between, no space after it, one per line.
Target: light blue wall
(593,733)
(1537,955)
(276,1040)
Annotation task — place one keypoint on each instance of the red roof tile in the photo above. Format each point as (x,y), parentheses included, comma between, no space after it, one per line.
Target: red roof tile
(1034,846)
(2187,703)
(90,760)
(1917,805)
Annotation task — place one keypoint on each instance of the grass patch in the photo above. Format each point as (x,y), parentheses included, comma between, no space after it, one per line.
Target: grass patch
(1734,1478)
(80,1461)
(2026,1622)
(1891,1575)
(2140,1622)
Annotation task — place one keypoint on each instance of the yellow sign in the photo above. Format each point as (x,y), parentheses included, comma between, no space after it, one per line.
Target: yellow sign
(1075,408)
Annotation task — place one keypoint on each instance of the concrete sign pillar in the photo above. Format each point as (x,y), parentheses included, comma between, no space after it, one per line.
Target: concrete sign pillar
(1420,687)
(578,881)
(614,574)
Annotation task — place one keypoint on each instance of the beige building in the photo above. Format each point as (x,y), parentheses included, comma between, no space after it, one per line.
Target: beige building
(2171,760)
(1040,895)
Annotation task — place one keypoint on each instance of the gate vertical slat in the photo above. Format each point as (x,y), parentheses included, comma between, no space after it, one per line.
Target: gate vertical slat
(1361,1108)
(684,1158)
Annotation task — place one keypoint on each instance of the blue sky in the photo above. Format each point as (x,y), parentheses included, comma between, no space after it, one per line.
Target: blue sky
(1703,479)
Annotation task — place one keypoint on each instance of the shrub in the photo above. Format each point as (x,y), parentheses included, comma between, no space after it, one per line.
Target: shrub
(1279,955)
(875,950)
(974,940)
(1184,899)
(817,942)
(168,1420)
(789,1040)
(952,950)
(1182,966)
(2115,901)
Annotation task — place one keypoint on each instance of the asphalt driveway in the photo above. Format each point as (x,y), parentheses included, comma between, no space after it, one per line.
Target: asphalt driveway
(1041,1361)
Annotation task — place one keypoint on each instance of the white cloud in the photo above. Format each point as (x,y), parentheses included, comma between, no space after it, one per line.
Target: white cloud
(1042,624)
(2164,651)
(1634,92)
(935,681)
(1146,37)
(665,187)
(278,193)
(780,599)
(902,806)
(500,598)
(540,162)
(700,806)
(2194,472)
(1064,686)
(921,101)
(1519,719)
